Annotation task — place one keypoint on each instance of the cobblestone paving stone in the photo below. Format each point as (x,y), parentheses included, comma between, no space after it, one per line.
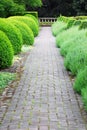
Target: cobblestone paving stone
(44,99)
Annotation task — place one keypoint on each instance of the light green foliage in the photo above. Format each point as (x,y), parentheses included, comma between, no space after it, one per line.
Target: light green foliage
(70,23)
(77,22)
(63,19)
(6,51)
(58,27)
(27,34)
(83,25)
(26,48)
(77,39)
(65,35)
(30,23)
(73,45)
(81,17)
(84,96)
(33,17)
(76,59)
(5,78)
(13,34)
(81,80)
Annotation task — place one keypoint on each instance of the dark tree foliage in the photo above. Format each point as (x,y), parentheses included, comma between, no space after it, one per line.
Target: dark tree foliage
(8,8)
(63,7)
(17,7)
(80,6)
(30,3)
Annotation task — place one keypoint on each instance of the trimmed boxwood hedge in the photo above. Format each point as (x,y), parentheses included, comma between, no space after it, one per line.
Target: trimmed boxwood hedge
(13,34)
(81,80)
(76,59)
(30,22)
(34,13)
(33,17)
(81,17)
(6,51)
(27,34)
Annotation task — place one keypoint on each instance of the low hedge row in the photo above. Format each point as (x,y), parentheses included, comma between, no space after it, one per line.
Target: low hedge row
(33,13)
(14,32)
(30,23)
(72,41)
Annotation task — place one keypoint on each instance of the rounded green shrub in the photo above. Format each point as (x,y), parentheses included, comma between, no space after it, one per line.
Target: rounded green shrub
(13,34)
(6,51)
(27,34)
(83,25)
(76,60)
(30,22)
(33,17)
(84,96)
(81,80)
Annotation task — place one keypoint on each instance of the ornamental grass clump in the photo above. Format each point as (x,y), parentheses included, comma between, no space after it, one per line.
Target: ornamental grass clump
(5,78)
(13,34)
(81,81)
(27,34)
(76,59)
(58,27)
(77,22)
(30,23)
(66,35)
(84,96)
(73,42)
(6,51)
(70,23)
(63,18)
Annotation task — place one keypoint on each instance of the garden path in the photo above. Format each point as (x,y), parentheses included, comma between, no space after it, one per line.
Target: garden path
(44,99)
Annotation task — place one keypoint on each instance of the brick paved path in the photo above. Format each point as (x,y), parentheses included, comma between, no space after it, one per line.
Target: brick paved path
(44,99)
